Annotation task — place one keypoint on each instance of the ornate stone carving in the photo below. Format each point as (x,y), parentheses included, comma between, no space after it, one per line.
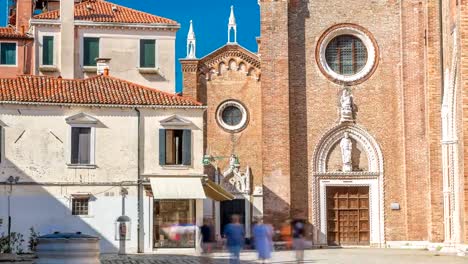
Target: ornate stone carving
(235,181)
(346,106)
(374,177)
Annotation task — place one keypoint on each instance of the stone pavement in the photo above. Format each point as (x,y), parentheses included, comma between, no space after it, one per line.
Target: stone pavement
(319,256)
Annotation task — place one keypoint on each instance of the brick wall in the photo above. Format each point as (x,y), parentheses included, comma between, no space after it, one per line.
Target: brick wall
(276,111)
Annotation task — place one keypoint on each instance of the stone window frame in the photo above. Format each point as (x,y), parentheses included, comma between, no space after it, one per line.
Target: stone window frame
(242,124)
(367,39)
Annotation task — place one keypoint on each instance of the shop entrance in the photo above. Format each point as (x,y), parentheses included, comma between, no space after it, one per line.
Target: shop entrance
(174,224)
(348,216)
(229,208)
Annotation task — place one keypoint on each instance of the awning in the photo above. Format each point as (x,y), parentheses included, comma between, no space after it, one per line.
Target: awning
(177,187)
(216,192)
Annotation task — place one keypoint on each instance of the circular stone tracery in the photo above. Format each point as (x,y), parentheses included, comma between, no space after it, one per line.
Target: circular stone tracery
(347,54)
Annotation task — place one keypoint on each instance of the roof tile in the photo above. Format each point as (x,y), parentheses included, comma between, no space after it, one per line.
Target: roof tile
(102,90)
(102,11)
(10,32)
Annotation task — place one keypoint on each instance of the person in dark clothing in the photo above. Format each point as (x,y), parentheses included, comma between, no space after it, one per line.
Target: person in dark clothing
(298,234)
(206,236)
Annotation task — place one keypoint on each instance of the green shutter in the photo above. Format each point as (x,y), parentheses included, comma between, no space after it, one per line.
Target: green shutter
(147,53)
(48,50)
(8,53)
(91,51)
(187,147)
(162,147)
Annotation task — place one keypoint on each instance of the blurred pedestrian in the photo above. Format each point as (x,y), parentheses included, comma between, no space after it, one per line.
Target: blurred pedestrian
(263,234)
(235,236)
(298,228)
(286,234)
(206,231)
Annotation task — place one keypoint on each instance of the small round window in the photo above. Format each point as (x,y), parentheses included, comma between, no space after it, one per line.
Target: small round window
(232,116)
(346,55)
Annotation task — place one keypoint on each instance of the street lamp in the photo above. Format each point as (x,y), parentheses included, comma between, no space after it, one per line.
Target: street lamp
(11,180)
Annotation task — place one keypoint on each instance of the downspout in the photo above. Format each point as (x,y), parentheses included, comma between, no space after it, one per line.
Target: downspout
(140,228)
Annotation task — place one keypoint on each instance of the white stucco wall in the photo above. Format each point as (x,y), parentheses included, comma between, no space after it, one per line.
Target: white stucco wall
(122,46)
(36,148)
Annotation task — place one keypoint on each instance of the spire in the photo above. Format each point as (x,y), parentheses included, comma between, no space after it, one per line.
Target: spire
(191,43)
(232,26)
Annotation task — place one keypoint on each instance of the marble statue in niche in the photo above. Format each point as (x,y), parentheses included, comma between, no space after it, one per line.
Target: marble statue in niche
(346,146)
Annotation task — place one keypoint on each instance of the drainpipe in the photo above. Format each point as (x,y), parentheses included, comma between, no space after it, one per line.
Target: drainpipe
(141,231)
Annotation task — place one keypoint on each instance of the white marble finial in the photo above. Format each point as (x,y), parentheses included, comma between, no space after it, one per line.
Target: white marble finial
(191,43)
(232,26)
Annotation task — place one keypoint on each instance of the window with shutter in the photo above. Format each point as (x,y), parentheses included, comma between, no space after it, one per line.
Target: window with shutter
(90,51)
(7,53)
(147,53)
(81,145)
(175,147)
(48,50)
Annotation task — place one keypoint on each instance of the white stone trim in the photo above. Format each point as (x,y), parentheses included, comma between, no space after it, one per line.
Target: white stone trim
(375,233)
(366,40)
(321,178)
(219,115)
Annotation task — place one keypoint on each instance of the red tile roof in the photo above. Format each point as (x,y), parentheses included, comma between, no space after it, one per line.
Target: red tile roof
(99,90)
(11,33)
(101,11)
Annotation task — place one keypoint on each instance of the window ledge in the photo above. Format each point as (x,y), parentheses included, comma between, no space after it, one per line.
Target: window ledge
(84,216)
(149,70)
(82,166)
(48,68)
(90,69)
(176,167)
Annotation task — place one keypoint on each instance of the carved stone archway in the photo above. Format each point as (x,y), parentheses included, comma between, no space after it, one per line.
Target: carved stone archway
(322,177)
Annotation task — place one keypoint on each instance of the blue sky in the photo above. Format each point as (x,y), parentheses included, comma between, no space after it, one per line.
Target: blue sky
(210,18)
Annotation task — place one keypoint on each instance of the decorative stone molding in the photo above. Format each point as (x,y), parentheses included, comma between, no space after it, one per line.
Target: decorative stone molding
(321,178)
(334,135)
(228,55)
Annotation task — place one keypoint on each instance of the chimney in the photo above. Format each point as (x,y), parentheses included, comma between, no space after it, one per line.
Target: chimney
(67,39)
(24,11)
(102,66)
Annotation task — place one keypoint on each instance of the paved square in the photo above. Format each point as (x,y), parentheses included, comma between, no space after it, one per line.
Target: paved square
(332,256)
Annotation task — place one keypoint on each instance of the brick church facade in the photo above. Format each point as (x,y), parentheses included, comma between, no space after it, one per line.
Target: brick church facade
(351,116)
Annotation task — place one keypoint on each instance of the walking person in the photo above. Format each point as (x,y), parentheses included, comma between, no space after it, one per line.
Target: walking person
(235,236)
(298,227)
(206,236)
(263,234)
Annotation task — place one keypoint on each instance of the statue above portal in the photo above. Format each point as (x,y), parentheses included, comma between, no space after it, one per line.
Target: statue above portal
(346,106)
(346,146)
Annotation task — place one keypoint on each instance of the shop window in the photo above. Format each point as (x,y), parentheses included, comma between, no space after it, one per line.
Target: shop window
(7,53)
(147,53)
(174,224)
(175,147)
(81,145)
(80,206)
(48,50)
(90,51)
